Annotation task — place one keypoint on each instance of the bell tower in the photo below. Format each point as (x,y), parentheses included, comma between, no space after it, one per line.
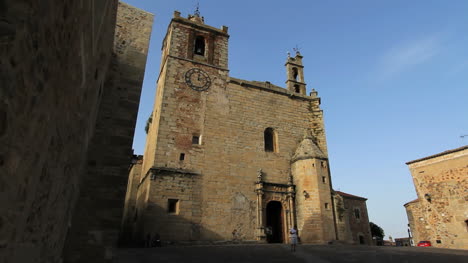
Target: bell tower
(194,68)
(192,78)
(295,74)
(190,38)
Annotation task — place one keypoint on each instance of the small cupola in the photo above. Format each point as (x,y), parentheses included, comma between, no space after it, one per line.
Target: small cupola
(308,149)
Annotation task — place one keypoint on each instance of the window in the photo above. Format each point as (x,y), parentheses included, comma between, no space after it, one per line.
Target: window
(195,139)
(182,157)
(295,73)
(199,46)
(357,213)
(270,140)
(326,205)
(324,180)
(297,89)
(173,206)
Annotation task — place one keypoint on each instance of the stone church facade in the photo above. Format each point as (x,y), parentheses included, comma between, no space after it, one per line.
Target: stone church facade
(226,158)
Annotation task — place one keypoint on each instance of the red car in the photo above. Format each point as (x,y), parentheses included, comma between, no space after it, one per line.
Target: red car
(424,244)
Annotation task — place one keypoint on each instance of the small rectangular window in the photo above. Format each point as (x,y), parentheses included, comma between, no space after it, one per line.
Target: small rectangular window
(182,157)
(195,139)
(438,241)
(173,206)
(326,205)
(324,179)
(357,213)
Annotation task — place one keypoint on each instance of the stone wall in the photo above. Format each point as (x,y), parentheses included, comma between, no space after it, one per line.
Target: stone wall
(441,211)
(313,200)
(416,221)
(128,219)
(104,185)
(230,119)
(343,228)
(352,219)
(185,190)
(358,221)
(54,58)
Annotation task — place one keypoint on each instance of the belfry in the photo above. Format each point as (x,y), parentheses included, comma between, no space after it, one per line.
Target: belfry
(226,158)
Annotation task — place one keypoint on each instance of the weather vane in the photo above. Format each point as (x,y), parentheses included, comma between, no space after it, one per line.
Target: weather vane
(197,9)
(297,49)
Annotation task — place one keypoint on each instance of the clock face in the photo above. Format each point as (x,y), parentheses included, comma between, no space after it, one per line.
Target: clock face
(197,79)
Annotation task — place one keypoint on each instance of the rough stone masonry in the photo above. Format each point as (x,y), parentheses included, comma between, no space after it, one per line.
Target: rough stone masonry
(62,72)
(230,159)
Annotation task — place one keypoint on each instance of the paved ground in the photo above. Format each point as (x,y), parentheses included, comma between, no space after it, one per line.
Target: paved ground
(273,253)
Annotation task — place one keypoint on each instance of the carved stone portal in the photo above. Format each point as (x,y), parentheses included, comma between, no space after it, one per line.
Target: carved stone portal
(282,193)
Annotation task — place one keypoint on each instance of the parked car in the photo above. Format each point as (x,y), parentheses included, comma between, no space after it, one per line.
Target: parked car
(424,244)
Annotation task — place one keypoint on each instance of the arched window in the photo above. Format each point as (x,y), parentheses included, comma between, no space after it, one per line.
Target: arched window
(297,89)
(199,46)
(270,140)
(295,73)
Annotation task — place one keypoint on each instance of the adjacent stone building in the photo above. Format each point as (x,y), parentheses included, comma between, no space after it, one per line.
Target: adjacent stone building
(352,219)
(231,159)
(70,85)
(440,213)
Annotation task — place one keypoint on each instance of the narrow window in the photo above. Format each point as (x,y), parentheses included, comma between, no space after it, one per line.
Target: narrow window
(357,213)
(297,89)
(323,179)
(195,139)
(270,140)
(182,157)
(294,71)
(326,205)
(173,206)
(199,46)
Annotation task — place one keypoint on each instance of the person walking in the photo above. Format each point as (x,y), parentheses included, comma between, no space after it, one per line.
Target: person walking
(293,237)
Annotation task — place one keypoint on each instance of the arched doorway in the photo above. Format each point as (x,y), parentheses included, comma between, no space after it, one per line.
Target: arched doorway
(361,239)
(274,221)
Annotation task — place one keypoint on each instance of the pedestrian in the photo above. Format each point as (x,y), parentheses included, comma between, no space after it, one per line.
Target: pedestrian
(293,237)
(156,240)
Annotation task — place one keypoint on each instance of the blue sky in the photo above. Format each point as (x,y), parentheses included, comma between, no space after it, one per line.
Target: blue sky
(392,76)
